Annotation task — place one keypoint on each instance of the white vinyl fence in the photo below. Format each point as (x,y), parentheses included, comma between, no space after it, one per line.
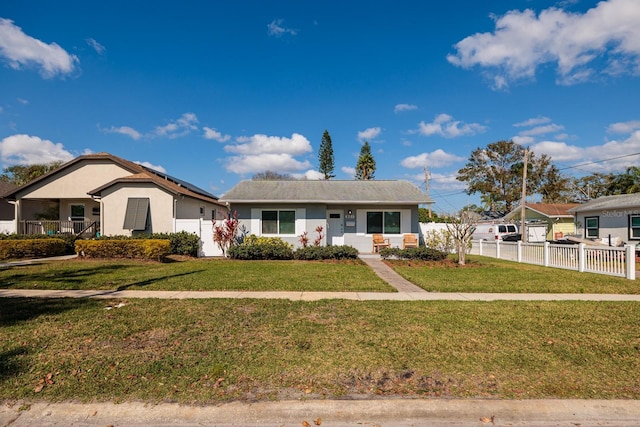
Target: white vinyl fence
(612,261)
(204,229)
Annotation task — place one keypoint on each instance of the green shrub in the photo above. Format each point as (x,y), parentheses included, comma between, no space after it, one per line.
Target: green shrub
(32,248)
(325,252)
(181,243)
(155,249)
(421,253)
(253,248)
(69,239)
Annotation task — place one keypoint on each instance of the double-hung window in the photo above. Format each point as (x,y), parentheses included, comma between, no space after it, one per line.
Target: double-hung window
(592,227)
(279,222)
(387,222)
(634,227)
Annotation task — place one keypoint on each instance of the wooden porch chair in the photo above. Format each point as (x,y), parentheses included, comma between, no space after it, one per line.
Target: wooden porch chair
(380,242)
(409,241)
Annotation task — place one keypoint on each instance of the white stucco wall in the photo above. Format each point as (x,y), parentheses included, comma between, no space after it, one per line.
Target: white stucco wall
(114,205)
(75,182)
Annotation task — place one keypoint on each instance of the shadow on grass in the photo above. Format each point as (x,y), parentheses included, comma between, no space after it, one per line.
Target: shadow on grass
(14,310)
(11,363)
(75,276)
(144,283)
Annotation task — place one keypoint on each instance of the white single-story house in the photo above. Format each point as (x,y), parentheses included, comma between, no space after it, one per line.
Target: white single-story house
(554,219)
(103,193)
(610,218)
(349,212)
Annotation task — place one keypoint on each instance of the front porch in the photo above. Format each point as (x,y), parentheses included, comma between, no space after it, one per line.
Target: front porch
(85,228)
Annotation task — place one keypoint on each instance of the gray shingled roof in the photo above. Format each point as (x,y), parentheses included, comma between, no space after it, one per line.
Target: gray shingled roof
(331,191)
(622,201)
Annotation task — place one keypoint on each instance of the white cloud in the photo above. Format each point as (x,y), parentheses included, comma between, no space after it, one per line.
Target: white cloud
(21,50)
(369,134)
(536,121)
(259,153)
(624,127)
(27,150)
(263,144)
(124,130)
(212,133)
(605,39)
(563,152)
(445,182)
(435,159)
(23,101)
(348,171)
(404,107)
(181,127)
(523,140)
(542,130)
(311,175)
(100,49)
(275,29)
(281,163)
(151,166)
(445,126)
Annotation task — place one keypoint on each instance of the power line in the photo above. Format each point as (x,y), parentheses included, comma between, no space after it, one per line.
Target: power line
(599,161)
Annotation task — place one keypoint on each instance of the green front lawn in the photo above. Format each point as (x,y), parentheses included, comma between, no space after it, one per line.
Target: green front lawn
(207,351)
(484,274)
(196,275)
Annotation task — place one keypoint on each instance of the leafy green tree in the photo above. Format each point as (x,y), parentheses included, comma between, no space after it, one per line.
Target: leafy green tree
(325,156)
(272,176)
(21,174)
(496,173)
(625,183)
(366,166)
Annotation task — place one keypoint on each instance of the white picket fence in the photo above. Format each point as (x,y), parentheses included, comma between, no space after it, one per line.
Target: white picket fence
(612,261)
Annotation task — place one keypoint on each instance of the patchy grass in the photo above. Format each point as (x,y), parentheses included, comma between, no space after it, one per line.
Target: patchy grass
(207,351)
(483,274)
(196,275)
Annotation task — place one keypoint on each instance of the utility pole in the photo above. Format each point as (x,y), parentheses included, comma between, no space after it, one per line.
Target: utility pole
(523,228)
(427,175)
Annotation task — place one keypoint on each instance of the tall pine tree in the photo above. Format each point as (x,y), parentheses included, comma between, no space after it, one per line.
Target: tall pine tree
(325,156)
(366,166)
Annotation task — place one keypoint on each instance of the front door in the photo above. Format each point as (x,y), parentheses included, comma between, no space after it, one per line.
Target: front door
(335,227)
(77,215)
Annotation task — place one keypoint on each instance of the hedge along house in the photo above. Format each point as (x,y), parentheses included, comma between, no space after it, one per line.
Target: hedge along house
(349,212)
(103,193)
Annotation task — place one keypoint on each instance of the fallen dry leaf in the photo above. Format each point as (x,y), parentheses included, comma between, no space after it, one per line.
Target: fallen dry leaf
(318,421)
(305,424)
(487,420)
(39,388)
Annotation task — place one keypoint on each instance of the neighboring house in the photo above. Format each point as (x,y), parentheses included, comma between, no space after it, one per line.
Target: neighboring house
(554,217)
(7,211)
(615,218)
(349,212)
(103,193)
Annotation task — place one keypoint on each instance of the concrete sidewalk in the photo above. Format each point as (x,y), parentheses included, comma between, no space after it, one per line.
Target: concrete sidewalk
(332,413)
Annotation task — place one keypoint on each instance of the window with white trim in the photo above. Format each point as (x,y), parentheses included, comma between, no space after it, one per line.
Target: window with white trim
(634,227)
(592,227)
(279,222)
(386,222)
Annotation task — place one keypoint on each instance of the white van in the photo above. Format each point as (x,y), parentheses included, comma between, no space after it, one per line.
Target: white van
(493,231)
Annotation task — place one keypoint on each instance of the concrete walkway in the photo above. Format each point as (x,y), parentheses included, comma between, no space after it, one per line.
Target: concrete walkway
(332,413)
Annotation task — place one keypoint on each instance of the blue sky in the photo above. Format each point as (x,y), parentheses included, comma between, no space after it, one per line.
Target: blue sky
(213,92)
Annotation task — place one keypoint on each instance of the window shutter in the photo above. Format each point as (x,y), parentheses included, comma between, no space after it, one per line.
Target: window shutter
(135,217)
